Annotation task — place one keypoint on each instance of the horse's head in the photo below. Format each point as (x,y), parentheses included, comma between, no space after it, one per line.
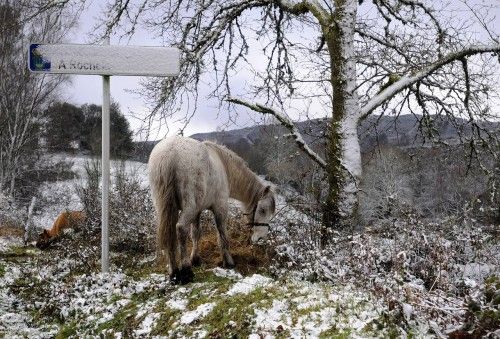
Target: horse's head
(43,240)
(261,214)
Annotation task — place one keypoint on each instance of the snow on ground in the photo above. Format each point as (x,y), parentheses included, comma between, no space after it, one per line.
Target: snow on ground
(43,299)
(7,242)
(248,284)
(200,312)
(94,303)
(221,272)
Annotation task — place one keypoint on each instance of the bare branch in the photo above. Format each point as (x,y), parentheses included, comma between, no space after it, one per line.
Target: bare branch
(407,81)
(286,122)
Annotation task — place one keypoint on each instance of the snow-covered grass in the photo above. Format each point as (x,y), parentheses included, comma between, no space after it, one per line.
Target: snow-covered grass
(220,302)
(44,295)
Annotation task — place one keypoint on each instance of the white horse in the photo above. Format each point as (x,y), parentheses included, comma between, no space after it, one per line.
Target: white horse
(190,176)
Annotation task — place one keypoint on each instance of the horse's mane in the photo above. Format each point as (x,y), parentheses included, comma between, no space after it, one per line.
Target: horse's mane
(242,181)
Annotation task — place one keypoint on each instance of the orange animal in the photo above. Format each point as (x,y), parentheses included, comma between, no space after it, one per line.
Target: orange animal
(68,219)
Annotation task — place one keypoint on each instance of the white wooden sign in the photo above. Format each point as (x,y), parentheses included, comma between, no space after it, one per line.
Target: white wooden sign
(104,60)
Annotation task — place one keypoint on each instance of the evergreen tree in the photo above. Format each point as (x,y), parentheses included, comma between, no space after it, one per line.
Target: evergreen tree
(121,136)
(64,126)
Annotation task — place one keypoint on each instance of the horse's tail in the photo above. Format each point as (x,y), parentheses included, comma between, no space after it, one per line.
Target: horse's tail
(167,207)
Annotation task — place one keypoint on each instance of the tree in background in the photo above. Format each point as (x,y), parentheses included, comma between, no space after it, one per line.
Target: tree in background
(386,186)
(64,126)
(350,58)
(120,133)
(23,95)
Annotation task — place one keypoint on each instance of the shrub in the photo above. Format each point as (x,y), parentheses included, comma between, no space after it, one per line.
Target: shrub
(131,216)
(429,268)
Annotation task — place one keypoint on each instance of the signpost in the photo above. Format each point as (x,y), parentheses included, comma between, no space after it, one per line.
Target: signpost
(104,60)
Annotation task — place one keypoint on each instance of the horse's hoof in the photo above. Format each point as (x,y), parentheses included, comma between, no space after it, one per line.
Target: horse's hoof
(227,265)
(186,275)
(175,277)
(196,261)
(182,276)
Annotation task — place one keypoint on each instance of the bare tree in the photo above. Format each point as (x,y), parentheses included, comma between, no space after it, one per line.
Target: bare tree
(348,58)
(24,96)
(386,187)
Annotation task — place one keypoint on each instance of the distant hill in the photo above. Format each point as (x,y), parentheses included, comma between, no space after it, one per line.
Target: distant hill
(403,131)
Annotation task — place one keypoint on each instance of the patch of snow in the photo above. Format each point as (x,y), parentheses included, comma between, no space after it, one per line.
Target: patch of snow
(177,304)
(477,271)
(7,242)
(248,284)
(200,334)
(147,324)
(200,312)
(15,321)
(221,272)
(407,311)
(314,323)
(270,319)
(146,308)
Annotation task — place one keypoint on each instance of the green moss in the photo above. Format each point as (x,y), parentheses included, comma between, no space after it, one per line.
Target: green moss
(493,282)
(15,252)
(296,313)
(2,270)
(66,330)
(233,315)
(123,320)
(166,321)
(489,319)
(114,298)
(335,333)
(143,271)
(212,288)
(386,324)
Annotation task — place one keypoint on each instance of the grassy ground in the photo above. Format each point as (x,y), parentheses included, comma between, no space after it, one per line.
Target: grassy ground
(60,293)
(56,300)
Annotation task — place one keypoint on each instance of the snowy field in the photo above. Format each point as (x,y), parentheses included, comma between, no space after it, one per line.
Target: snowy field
(60,292)
(117,305)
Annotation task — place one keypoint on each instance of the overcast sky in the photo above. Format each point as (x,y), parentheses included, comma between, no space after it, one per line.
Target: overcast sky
(88,88)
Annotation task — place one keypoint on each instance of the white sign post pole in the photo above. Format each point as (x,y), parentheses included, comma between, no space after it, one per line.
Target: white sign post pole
(104,60)
(106,98)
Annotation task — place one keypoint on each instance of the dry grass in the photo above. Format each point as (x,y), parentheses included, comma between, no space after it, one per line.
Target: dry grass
(248,258)
(10,227)
(11,231)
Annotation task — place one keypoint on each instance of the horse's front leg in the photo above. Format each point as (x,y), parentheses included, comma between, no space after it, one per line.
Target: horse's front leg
(195,238)
(220,220)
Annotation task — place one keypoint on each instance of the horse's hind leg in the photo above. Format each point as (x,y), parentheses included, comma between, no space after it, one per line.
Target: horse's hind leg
(166,231)
(185,220)
(220,221)
(195,238)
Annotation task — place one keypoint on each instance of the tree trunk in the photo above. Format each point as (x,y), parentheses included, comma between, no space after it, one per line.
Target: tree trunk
(343,151)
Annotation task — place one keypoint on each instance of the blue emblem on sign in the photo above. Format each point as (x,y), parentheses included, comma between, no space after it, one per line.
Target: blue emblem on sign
(37,62)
